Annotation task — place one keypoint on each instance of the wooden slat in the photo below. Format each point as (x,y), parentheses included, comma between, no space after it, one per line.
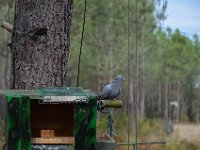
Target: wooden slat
(59,140)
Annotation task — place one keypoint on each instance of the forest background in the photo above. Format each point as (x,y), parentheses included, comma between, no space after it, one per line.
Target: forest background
(163,67)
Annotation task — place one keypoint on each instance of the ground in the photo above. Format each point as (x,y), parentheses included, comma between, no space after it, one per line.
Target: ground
(188,132)
(185,137)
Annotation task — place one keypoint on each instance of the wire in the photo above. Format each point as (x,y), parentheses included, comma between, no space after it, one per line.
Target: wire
(164,68)
(128,109)
(80,52)
(136,77)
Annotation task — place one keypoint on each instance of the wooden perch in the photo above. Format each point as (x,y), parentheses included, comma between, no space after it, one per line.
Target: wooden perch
(7,26)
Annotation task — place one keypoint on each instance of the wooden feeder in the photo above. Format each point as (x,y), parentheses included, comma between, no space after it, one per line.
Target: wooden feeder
(57,118)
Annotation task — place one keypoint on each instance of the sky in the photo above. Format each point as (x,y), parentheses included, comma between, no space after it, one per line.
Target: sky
(185,15)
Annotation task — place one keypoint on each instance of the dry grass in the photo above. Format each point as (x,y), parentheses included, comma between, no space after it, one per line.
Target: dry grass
(184,137)
(188,132)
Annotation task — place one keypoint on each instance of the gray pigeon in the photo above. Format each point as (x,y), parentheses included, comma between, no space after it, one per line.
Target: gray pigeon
(112,90)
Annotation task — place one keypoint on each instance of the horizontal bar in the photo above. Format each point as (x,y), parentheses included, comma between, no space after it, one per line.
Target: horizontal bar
(142,143)
(64,99)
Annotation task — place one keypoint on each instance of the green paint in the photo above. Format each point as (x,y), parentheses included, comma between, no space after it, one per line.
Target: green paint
(13,124)
(25,124)
(91,128)
(85,124)
(80,126)
(18,123)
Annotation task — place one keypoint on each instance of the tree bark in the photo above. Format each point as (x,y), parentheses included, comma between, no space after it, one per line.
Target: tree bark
(41,41)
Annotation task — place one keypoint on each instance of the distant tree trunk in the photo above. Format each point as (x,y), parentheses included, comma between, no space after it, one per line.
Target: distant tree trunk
(111,26)
(131,101)
(159,99)
(166,104)
(178,94)
(5,63)
(197,111)
(111,66)
(41,41)
(4,74)
(131,88)
(99,75)
(143,76)
(143,88)
(98,35)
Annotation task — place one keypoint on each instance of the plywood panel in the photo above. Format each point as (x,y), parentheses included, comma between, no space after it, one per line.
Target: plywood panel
(64,140)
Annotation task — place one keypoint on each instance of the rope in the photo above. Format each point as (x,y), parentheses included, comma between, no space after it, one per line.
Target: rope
(128,107)
(80,52)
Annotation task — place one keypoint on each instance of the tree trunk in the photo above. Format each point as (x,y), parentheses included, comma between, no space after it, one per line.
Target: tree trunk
(166,104)
(178,94)
(41,40)
(5,66)
(110,39)
(5,61)
(131,101)
(159,99)
(143,77)
(143,88)
(5,51)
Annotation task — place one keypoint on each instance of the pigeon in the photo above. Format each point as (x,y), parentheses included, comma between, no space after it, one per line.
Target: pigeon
(112,90)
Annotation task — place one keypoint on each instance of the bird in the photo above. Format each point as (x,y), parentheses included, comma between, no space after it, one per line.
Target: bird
(112,90)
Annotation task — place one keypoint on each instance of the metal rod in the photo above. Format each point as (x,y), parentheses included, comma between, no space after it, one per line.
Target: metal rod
(164,66)
(142,143)
(82,36)
(136,77)
(128,107)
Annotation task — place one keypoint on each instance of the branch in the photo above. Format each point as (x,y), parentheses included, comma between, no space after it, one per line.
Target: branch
(7,26)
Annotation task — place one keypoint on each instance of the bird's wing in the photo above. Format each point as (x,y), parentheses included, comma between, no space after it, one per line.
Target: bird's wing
(106,91)
(115,91)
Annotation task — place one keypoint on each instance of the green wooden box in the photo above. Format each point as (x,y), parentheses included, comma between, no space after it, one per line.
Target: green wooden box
(54,118)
